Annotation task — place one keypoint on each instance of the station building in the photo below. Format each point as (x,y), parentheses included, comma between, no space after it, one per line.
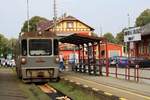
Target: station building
(143,47)
(140,47)
(112,50)
(67,25)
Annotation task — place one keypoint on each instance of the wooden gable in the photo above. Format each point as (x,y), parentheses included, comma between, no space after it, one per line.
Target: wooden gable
(71,25)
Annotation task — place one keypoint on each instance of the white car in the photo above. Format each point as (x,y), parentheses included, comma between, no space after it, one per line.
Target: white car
(12,63)
(3,62)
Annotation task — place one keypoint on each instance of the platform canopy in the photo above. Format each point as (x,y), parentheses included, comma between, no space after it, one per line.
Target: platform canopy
(79,39)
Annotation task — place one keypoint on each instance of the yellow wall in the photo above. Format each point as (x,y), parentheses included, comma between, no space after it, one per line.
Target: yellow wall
(77,27)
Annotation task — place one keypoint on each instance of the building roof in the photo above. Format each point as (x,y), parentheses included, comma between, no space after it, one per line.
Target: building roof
(81,39)
(44,26)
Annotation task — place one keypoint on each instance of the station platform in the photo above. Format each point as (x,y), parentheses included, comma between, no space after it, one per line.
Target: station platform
(126,90)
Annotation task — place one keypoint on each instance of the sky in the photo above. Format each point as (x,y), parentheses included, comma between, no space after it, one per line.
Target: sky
(103,15)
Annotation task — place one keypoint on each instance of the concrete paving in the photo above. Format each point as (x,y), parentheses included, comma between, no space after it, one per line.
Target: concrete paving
(127,89)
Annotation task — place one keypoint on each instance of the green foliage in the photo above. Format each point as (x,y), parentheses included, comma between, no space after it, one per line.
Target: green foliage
(73,91)
(33,23)
(144,18)
(6,45)
(3,45)
(11,43)
(109,37)
(120,38)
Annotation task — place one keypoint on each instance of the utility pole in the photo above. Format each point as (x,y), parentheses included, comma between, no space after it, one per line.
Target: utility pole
(101,31)
(55,16)
(128,20)
(128,43)
(28,26)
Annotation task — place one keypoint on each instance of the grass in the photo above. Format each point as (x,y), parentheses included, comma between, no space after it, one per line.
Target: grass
(33,92)
(73,92)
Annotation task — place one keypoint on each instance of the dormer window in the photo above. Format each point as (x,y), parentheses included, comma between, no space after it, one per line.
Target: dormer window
(69,24)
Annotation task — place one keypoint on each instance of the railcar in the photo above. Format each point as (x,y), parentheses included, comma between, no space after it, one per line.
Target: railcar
(35,56)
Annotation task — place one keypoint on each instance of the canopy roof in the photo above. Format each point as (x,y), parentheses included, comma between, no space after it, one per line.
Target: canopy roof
(79,39)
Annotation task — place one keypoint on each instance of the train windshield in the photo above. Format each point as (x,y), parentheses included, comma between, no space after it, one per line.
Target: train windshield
(40,47)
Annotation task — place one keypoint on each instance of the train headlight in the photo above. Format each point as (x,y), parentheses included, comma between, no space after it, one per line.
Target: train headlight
(23,60)
(40,33)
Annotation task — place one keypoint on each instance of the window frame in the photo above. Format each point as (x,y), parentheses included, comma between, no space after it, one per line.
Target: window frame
(69,24)
(51,46)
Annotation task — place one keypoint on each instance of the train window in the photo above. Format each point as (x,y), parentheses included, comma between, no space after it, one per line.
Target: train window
(40,47)
(24,47)
(55,47)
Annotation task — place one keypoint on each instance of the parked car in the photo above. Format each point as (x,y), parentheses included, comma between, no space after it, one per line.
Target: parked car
(12,63)
(144,63)
(122,61)
(141,61)
(133,61)
(3,62)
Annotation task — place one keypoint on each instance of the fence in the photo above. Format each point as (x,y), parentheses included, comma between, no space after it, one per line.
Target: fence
(136,73)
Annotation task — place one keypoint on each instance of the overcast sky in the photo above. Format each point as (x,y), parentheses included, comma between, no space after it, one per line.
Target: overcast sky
(111,15)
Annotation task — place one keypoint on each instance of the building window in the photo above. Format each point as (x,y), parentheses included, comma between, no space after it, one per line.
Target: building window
(141,48)
(69,24)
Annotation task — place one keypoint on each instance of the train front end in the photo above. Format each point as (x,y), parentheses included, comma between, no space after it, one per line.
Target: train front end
(37,62)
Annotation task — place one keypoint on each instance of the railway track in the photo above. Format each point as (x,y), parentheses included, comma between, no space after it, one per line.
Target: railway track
(53,93)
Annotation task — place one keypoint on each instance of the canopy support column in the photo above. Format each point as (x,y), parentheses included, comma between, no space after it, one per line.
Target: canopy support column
(83,53)
(99,56)
(107,61)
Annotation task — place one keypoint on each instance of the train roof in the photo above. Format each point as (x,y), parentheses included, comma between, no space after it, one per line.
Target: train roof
(37,34)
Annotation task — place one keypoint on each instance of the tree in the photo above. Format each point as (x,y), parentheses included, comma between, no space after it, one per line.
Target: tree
(11,46)
(144,18)
(33,23)
(6,45)
(3,45)
(11,43)
(120,38)
(109,37)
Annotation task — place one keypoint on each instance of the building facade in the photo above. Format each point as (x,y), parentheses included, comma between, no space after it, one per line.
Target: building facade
(66,25)
(112,50)
(141,48)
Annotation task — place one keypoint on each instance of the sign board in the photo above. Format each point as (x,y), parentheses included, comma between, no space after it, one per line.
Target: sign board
(132,34)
